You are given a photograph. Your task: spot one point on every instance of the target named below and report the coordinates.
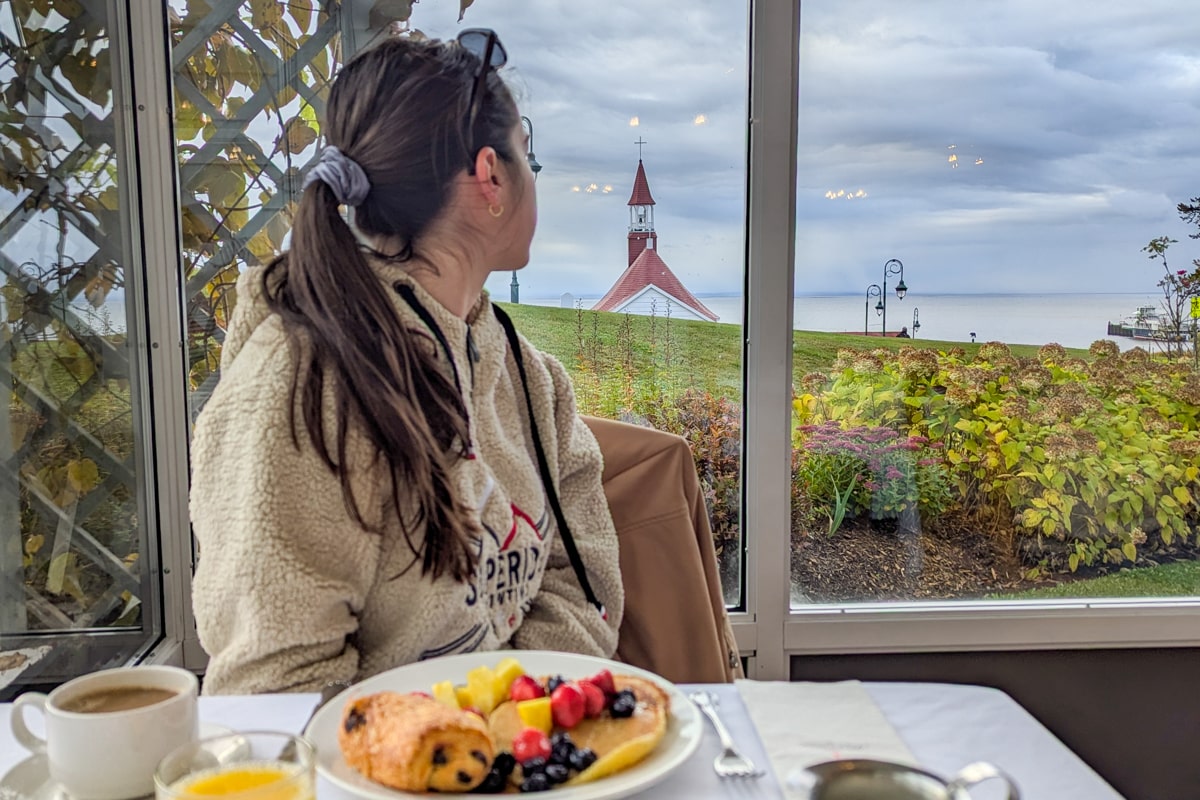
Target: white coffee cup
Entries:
(111, 754)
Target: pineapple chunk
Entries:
(481, 683)
(444, 693)
(536, 713)
(507, 671)
(463, 693)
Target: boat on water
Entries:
(1147, 323)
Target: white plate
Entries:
(30, 779)
(684, 729)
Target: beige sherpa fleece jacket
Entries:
(290, 593)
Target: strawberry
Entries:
(604, 682)
(525, 688)
(594, 699)
(530, 744)
(567, 704)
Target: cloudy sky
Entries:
(997, 145)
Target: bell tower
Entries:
(641, 212)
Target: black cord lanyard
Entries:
(568, 540)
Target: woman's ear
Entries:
(487, 177)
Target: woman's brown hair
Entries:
(399, 111)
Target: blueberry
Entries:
(582, 758)
(557, 773)
(538, 782)
(561, 736)
(533, 766)
(560, 753)
(623, 705)
(494, 783)
(504, 764)
(554, 683)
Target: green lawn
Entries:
(1179, 579)
(706, 355)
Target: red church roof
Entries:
(641, 189)
(648, 269)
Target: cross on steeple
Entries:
(640, 141)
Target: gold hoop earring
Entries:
(495, 210)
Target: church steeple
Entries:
(641, 212)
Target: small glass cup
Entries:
(253, 765)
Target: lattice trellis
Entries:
(251, 77)
(69, 527)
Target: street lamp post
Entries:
(892, 266)
(916, 323)
(514, 288)
(872, 291)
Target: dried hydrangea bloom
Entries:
(991, 351)
(1053, 352)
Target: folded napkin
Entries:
(801, 724)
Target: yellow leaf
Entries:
(1182, 495)
(302, 13)
(34, 544)
(1001, 436)
(56, 575)
(83, 475)
(1130, 551)
(1191, 473)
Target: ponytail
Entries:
(346, 338)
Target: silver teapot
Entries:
(864, 779)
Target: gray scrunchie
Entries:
(342, 174)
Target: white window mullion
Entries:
(163, 308)
(771, 224)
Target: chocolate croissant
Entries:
(414, 743)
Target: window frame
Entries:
(769, 631)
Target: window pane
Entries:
(671, 354)
(73, 487)
(638, 114)
(1010, 166)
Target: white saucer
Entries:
(30, 779)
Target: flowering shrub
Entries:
(1094, 462)
(857, 469)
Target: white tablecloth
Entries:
(945, 727)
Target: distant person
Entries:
(903, 334)
(972, 336)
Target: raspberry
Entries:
(530, 744)
(604, 682)
(594, 698)
(567, 705)
(525, 688)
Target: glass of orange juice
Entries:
(254, 765)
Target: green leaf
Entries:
(1130, 551)
(1073, 562)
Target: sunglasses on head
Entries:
(485, 45)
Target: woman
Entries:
(377, 477)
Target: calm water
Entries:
(1072, 320)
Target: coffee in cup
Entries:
(107, 731)
(117, 698)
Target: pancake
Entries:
(617, 743)
(414, 743)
